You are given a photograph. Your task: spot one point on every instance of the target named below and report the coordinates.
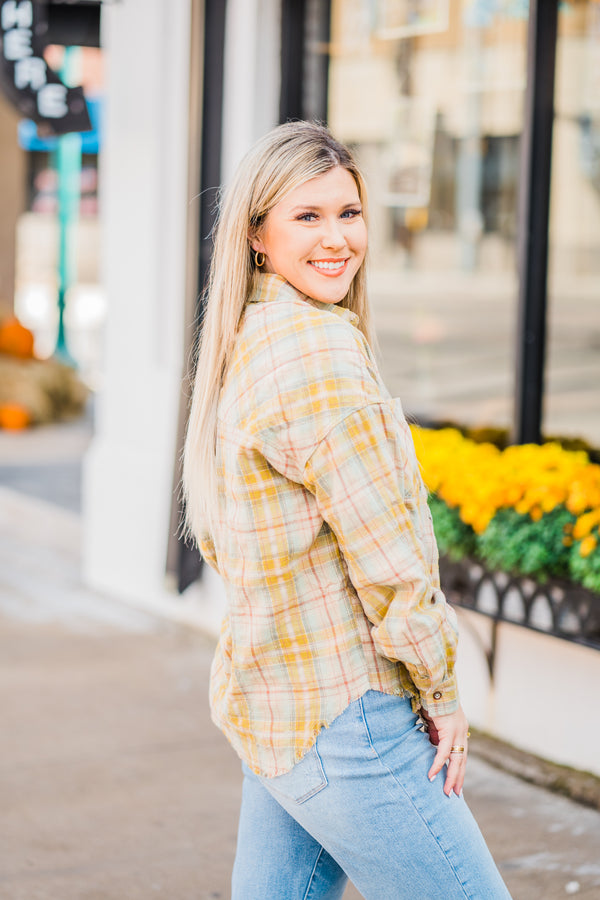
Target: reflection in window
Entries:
(573, 394)
(431, 97)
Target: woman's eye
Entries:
(312, 216)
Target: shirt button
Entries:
(437, 695)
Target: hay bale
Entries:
(49, 390)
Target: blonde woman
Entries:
(304, 493)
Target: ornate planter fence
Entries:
(558, 608)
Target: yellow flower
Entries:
(588, 544)
(479, 479)
(585, 523)
(577, 502)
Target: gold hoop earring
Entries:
(259, 262)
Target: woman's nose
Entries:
(333, 237)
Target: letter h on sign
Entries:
(17, 22)
(17, 15)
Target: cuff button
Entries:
(437, 695)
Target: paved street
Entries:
(114, 783)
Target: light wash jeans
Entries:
(360, 805)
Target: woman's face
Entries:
(316, 237)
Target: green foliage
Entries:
(515, 543)
(455, 539)
(585, 569)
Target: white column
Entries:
(129, 469)
(251, 77)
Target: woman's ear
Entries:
(255, 242)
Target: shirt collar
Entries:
(275, 287)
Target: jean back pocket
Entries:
(302, 782)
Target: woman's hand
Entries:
(446, 732)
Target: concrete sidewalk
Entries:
(115, 785)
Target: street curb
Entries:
(583, 787)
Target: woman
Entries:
(304, 493)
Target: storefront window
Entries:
(573, 383)
(431, 96)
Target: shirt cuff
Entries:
(443, 700)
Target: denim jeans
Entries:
(359, 805)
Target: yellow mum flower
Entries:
(585, 523)
(577, 502)
(588, 544)
(479, 479)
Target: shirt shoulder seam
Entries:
(381, 402)
(257, 440)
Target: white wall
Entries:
(543, 697)
(129, 469)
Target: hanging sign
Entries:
(481, 13)
(29, 83)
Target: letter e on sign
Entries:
(17, 44)
(52, 101)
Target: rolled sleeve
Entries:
(362, 476)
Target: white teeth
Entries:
(328, 265)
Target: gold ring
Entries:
(468, 734)
(457, 749)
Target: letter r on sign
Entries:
(30, 72)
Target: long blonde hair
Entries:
(285, 158)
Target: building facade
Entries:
(435, 105)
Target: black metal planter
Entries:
(556, 607)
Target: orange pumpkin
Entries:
(15, 339)
(14, 417)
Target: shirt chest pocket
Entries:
(407, 458)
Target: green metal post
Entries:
(68, 165)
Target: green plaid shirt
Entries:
(325, 541)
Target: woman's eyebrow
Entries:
(317, 206)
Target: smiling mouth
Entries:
(329, 266)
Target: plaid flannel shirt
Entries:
(324, 540)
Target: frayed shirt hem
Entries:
(297, 753)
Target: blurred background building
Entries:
(433, 97)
